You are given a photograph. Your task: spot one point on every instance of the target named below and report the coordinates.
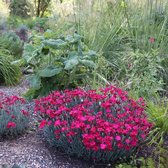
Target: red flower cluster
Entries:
(11, 125)
(6, 108)
(103, 121)
(151, 39)
(6, 101)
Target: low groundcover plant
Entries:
(14, 116)
(105, 126)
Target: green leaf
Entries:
(70, 39)
(91, 53)
(27, 52)
(55, 44)
(71, 63)
(50, 71)
(77, 37)
(88, 63)
(31, 52)
(19, 62)
(72, 54)
(48, 33)
(35, 81)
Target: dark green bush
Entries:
(12, 43)
(40, 22)
(22, 32)
(20, 8)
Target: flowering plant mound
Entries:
(14, 117)
(106, 126)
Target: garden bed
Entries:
(93, 44)
(30, 149)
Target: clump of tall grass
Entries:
(9, 74)
(119, 30)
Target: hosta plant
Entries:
(60, 63)
(14, 117)
(107, 126)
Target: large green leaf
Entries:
(19, 62)
(77, 37)
(48, 34)
(88, 63)
(35, 81)
(91, 53)
(71, 63)
(27, 52)
(55, 44)
(70, 39)
(72, 54)
(30, 52)
(50, 71)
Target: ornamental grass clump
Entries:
(14, 117)
(107, 126)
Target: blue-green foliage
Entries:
(14, 117)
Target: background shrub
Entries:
(14, 117)
(41, 22)
(22, 32)
(105, 127)
(20, 8)
(12, 43)
(14, 21)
